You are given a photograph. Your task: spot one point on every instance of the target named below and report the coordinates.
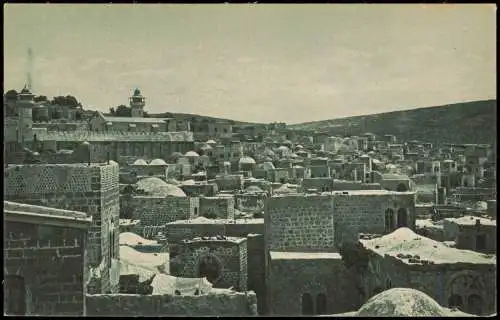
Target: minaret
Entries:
(137, 103)
(25, 104)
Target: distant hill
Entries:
(195, 117)
(467, 122)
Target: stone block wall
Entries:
(225, 304)
(229, 182)
(342, 185)
(157, 211)
(197, 190)
(317, 171)
(466, 237)
(217, 207)
(320, 184)
(257, 269)
(251, 203)
(51, 261)
(230, 256)
(290, 278)
(300, 223)
(92, 189)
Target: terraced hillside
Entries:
(468, 122)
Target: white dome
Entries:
(267, 165)
(211, 142)
(246, 160)
(283, 148)
(157, 162)
(191, 154)
(401, 302)
(132, 239)
(140, 162)
(157, 187)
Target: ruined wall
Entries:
(231, 256)
(289, 279)
(92, 189)
(51, 260)
(300, 223)
(217, 207)
(225, 304)
(155, 212)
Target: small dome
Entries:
(246, 160)
(85, 143)
(211, 142)
(401, 302)
(191, 154)
(140, 162)
(157, 187)
(299, 147)
(267, 165)
(283, 148)
(206, 147)
(157, 162)
(137, 92)
(253, 189)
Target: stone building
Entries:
(93, 189)
(453, 277)
(472, 233)
(222, 260)
(221, 207)
(44, 260)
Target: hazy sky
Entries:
(263, 62)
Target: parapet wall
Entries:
(111, 136)
(221, 304)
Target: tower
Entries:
(25, 104)
(137, 103)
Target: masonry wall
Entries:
(300, 223)
(197, 190)
(176, 232)
(229, 182)
(466, 238)
(92, 189)
(232, 257)
(225, 304)
(217, 207)
(257, 269)
(434, 280)
(52, 262)
(251, 203)
(289, 279)
(157, 211)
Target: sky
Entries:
(259, 63)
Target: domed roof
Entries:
(267, 165)
(176, 154)
(283, 148)
(253, 189)
(140, 162)
(268, 159)
(157, 187)
(246, 160)
(157, 162)
(284, 189)
(299, 146)
(206, 147)
(132, 239)
(211, 142)
(401, 302)
(191, 154)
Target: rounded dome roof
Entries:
(246, 160)
(211, 142)
(401, 302)
(254, 189)
(283, 148)
(140, 162)
(267, 165)
(299, 146)
(157, 162)
(157, 187)
(192, 154)
(176, 154)
(206, 147)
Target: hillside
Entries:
(197, 118)
(468, 122)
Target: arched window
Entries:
(474, 304)
(321, 303)
(401, 188)
(402, 218)
(455, 301)
(389, 220)
(307, 304)
(14, 296)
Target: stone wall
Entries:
(290, 278)
(229, 182)
(221, 207)
(257, 269)
(223, 304)
(197, 190)
(300, 223)
(437, 281)
(181, 230)
(91, 189)
(51, 260)
(157, 211)
(230, 254)
(251, 202)
(320, 184)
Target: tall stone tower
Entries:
(137, 103)
(25, 105)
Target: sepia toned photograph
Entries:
(246, 160)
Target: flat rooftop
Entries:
(471, 221)
(221, 239)
(203, 220)
(71, 165)
(277, 255)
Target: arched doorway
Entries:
(401, 188)
(14, 296)
(210, 267)
(307, 304)
(402, 218)
(474, 304)
(455, 301)
(389, 220)
(321, 303)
